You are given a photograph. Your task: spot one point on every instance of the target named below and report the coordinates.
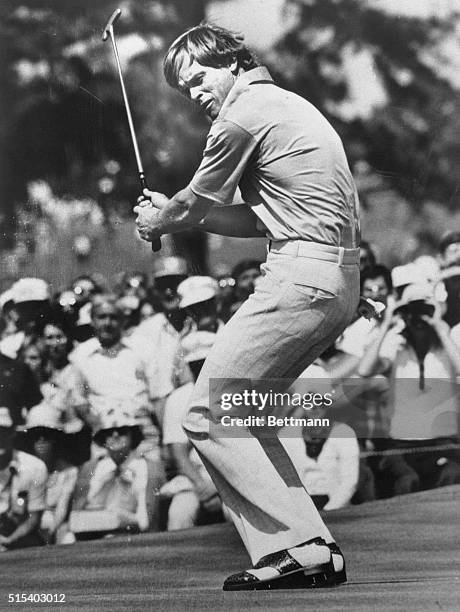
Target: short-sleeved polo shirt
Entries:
(287, 160)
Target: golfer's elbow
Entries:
(190, 209)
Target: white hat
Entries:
(416, 292)
(408, 274)
(196, 345)
(43, 415)
(30, 290)
(197, 289)
(429, 267)
(5, 418)
(115, 417)
(170, 266)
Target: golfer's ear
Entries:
(234, 65)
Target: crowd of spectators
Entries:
(95, 380)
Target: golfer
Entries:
(294, 179)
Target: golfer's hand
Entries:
(147, 210)
(152, 198)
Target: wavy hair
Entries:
(209, 45)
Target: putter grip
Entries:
(156, 244)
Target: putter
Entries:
(108, 31)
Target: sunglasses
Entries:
(121, 431)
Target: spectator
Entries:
(61, 389)
(245, 274)
(327, 460)
(414, 344)
(163, 330)
(31, 354)
(111, 373)
(47, 441)
(198, 297)
(122, 485)
(22, 491)
(375, 284)
(366, 255)
(192, 491)
(168, 274)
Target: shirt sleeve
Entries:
(226, 155)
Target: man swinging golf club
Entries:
(297, 188)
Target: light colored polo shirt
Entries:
(287, 160)
(111, 377)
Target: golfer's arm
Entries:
(237, 220)
(187, 210)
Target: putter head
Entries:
(109, 25)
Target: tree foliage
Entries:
(409, 138)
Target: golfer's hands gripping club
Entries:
(149, 204)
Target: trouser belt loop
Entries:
(341, 254)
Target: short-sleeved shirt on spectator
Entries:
(287, 160)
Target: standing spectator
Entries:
(121, 485)
(415, 346)
(22, 491)
(112, 374)
(48, 442)
(198, 298)
(163, 330)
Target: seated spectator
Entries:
(414, 345)
(118, 491)
(47, 441)
(22, 491)
(198, 298)
(326, 456)
(192, 492)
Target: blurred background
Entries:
(385, 72)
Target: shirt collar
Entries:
(255, 75)
(115, 349)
